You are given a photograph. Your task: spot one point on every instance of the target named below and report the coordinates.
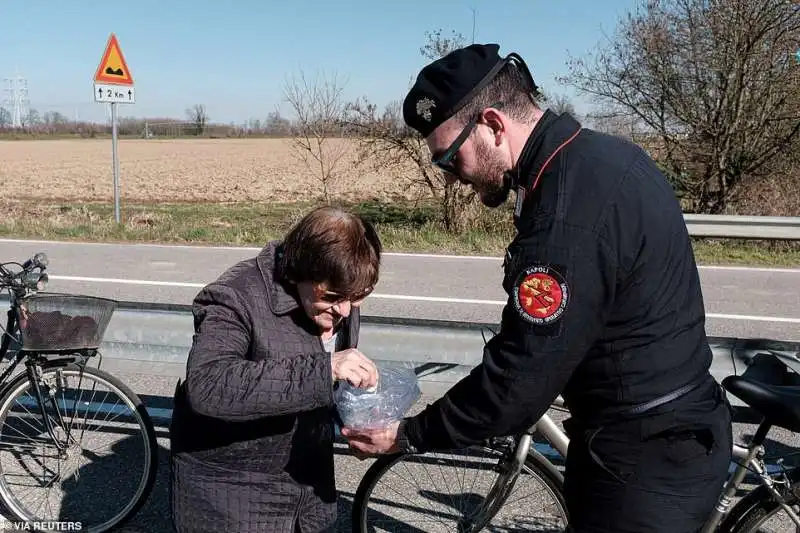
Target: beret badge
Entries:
(424, 107)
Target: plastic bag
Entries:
(396, 392)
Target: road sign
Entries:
(113, 84)
(114, 94)
(112, 68)
(112, 75)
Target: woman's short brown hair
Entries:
(333, 246)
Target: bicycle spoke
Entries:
(94, 422)
(432, 492)
(419, 490)
(778, 523)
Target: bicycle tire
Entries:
(759, 505)
(17, 386)
(535, 463)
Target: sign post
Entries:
(113, 84)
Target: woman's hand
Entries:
(354, 367)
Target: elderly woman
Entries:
(252, 429)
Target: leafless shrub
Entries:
(318, 134)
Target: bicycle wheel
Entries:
(759, 511)
(448, 493)
(100, 486)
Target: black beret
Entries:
(444, 86)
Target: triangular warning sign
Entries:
(113, 68)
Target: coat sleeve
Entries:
(221, 382)
(560, 286)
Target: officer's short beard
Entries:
(494, 188)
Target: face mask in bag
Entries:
(395, 392)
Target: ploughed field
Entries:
(191, 170)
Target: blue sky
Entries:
(234, 56)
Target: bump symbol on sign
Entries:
(113, 68)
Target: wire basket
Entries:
(50, 322)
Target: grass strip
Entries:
(403, 228)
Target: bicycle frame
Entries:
(746, 459)
(560, 441)
(11, 324)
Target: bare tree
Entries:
(198, 116)
(715, 81)
(386, 143)
(277, 125)
(31, 119)
(54, 118)
(437, 46)
(560, 103)
(318, 132)
(611, 120)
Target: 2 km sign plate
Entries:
(114, 94)
(113, 81)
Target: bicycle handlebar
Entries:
(29, 277)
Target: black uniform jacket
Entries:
(604, 301)
(252, 428)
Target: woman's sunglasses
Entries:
(335, 298)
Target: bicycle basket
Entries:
(51, 322)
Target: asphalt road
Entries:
(740, 301)
(157, 391)
(743, 302)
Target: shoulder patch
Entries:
(541, 294)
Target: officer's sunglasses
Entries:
(447, 161)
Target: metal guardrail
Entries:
(743, 227)
(162, 333)
(156, 337)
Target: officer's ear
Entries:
(495, 119)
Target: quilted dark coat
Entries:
(252, 428)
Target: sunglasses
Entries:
(334, 298)
(447, 161)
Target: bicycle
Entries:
(42, 419)
(519, 459)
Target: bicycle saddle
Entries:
(779, 404)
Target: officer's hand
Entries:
(367, 442)
(354, 367)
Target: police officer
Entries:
(604, 305)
